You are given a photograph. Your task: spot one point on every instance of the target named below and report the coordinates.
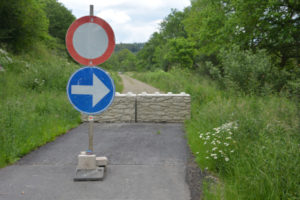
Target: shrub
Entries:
(246, 71)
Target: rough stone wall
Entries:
(146, 108)
(121, 110)
(163, 107)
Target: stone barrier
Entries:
(147, 108)
(163, 107)
(121, 110)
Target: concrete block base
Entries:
(89, 174)
(86, 161)
(101, 161)
(90, 167)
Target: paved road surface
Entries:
(136, 86)
(146, 162)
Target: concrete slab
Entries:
(96, 174)
(146, 162)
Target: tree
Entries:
(181, 52)
(146, 56)
(23, 22)
(59, 17)
(172, 26)
(271, 25)
(206, 26)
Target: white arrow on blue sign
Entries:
(91, 90)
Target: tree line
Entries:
(25, 22)
(251, 45)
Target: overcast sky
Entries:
(131, 20)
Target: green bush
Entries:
(246, 71)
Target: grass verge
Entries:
(251, 143)
(34, 108)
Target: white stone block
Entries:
(86, 161)
(101, 161)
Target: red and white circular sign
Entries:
(90, 40)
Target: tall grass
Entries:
(34, 107)
(117, 80)
(251, 143)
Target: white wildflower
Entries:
(228, 138)
(200, 136)
(3, 52)
(205, 142)
(215, 157)
(226, 159)
(207, 157)
(226, 144)
(9, 59)
(215, 148)
(231, 151)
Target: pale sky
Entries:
(131, 20)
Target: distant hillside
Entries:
(133, 47)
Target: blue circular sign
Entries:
(91, 90)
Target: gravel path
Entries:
(135, 86)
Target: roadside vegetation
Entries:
(34, 71)
(240, 62)
(34, 106)
(249, 142)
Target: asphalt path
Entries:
(146, 162)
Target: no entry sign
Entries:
(90, 40)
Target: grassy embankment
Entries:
(251, 143)
(34, 108)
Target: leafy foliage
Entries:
(27, 22)
(246, 71)
(23, 22)
(180, 52)
(123, 60)
(59, 17)
(134, 48)
(250, 45)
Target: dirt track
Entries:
(135, 86)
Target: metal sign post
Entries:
(90, 41)
(91, 118)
